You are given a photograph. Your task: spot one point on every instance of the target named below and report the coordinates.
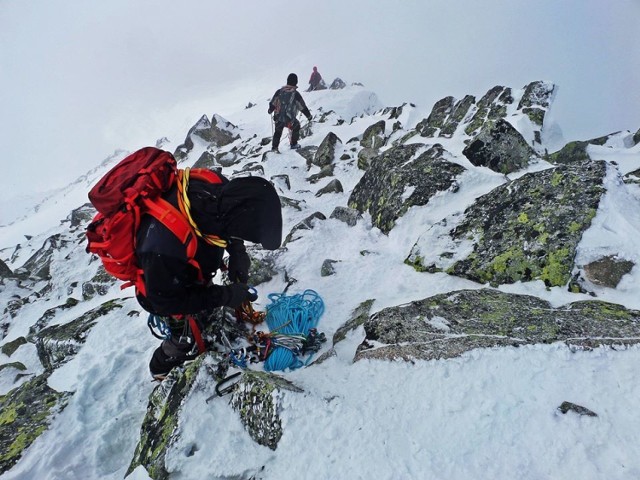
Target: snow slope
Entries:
(488, 414)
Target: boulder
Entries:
(350, 216)
(218, 132)
(59, 343)
(527, 229)
(400, 178)
(334, 186)
(326, 152)
(337, 84)
(306, 224)
(608, 271)
(499, 147)
(450, 324)
(25, 413)
(489, 109)
(373, 136)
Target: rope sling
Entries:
(291, 319)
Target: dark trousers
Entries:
(294, 126)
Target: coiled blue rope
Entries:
(289, 318)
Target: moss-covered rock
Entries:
(447, 325)
(160, 423)
(400, 178)
(100, 284)
(490, 108)
(25, 413)
(39, 264)
(458, 113)
(572, 152)
(256, 399)
(9, 348)
(326, 153)
(59, 343)
(499, 147)
(527, 229)
(373, 136)
(436, 119)
(358, 317)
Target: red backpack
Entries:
(133, 188)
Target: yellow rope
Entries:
(185, 207)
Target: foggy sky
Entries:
(80, 78)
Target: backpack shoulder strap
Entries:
(171, 218)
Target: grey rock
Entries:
(358, 317)
(527, 229)
(499, 147)
(327, 268)
(81, 215)
(326, 171)
(326, 152)
(217, 132)
(447, 325)
(27, 412)
(161, 420)
(489, 109)
(536, 100)
(282, 181)
(393, 184)
(39, 264)
(373, 137)
(9, 348)
(100, 284)
(334, 186)
(59, 343)
(350, 216)
(435, 121)
(365, 157)
(306, 224)
(5, 271)
(572, 407)
(206, 160)
(337, 84)
(576, 151)
(256, 401)
(608, 271)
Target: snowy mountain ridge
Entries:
(435, 399)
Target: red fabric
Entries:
(131, 188)
(147, 172)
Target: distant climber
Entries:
(285, 106)
(315, 81)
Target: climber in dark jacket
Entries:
(246, 208)
(285, 106)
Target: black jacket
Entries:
(244, 208)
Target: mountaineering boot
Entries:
(275, 150)
(295, 146)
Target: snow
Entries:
(490, 413)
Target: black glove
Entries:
(238, 293)
(239, 262)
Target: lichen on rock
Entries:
(527, 229)
(25, 413)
